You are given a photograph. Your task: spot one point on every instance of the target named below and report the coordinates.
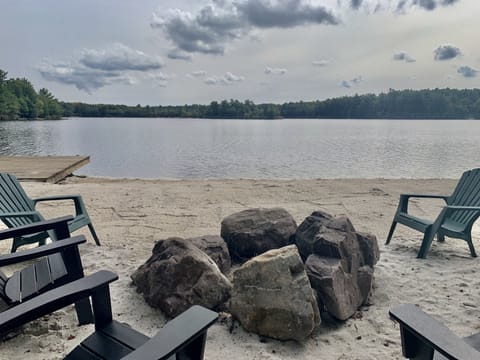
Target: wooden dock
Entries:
(42, 168)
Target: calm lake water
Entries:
(194, 148)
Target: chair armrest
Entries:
(36, 227)
(421, 333)
(465, 208)
(44, 250)
(32, 214)
(432, 196)
(403, 203)
(77, 200)
(54, 300)
(176, 334)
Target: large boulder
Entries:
(339, 261)
(215, 247)
(272, 296)
(179, 275)
(252, 232)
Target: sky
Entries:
(193, 52)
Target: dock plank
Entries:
(42, 168)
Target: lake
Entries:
(287, 148)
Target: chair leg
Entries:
(94, 234)
(194, 350)
(470, 246)
(390, 233)
(426, 242)
(440, 238)
(84, 312)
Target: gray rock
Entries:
(337, 289)
(272, 296)
(365, 282)
(252, 232)
(179, 275)
(215, 247)
(368, 248)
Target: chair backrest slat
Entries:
(467, 193)
(14, 199)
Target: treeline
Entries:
(395, 104)
(18, 100)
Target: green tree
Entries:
(47, 106)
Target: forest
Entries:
(19, 100)
(394, 104)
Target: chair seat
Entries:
(114, 341)
(413, 221)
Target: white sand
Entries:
(130, 215)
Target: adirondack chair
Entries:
(17, 209)
(182, 338)
(455, 220)
(424, 338)
(54, 264)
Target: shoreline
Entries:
(131, 214)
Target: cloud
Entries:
(217, 24)
(284, 14)
(119, 57)
(275, 71)
(403, 56)
(351, 83)
(82, 78)
(227, 79)
(399, 6)
(320, 63)
(355, 4)
(197, 74)
(433, 4)
(446, 52)
(117, 63)
(467, 71)
(177, 54)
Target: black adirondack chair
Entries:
(424, 338)
(455, 220)
(54, 264)
(182, 338)
(17, 209)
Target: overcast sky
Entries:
(183, 52)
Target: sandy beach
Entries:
(130, 215)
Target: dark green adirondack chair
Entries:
(17, 209)
(183, 338)
(455, 220)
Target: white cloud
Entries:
(227, 79)
(320, 63)
(119, 57)
(215, 25)
(116, 64)
(197, 74)
(275, 71)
